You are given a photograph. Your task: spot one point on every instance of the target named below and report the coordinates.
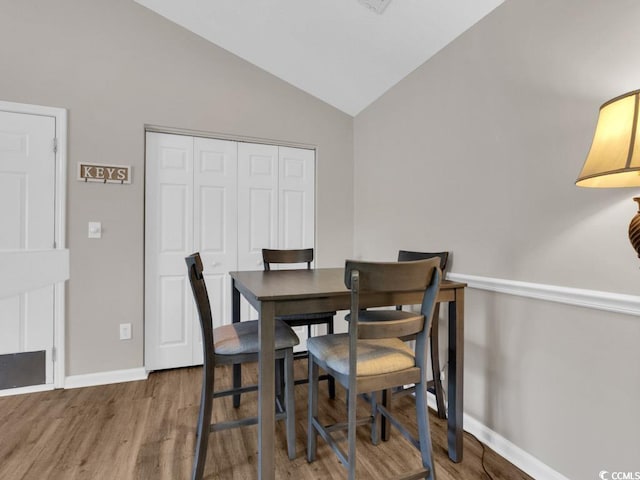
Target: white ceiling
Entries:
(337, 50)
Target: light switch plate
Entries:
(95, 230)
(125, 331)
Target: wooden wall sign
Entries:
(98, 172)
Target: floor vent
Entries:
(22, 369)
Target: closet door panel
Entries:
(296, 197)
(296, 206)
(215, 225)
(169, 309)
(257, 203)
(257, 207)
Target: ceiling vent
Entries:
(377, 6)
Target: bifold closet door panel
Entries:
(296, 207)
(169, 309)
(257, 208)
(257, 202)
(296, 197)
(215, 214)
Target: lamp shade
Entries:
(614, 157)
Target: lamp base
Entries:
(634, 229)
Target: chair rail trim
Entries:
(596, 299)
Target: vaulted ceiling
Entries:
(337, 50)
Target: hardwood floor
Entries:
(146, 430)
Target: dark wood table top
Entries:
(277, 285)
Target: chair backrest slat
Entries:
(391, 328)
(301, 255)
(199, 288)
(391, 276)
(408, 255)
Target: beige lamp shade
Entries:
(614, 157)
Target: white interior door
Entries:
(27, 216)
(169, 308)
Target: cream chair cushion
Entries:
(242, 337)
(375, 357)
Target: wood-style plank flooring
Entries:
(146, 430)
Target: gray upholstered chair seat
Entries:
(375, 357)
(383, 315)
(242, 337)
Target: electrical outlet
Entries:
(125, 331)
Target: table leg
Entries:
(266, 393)
(235, 318)
(456, 375)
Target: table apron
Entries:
(343, 302)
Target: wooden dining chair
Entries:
(234, 344)
(434, 385)
(372, 358)
(300, 256)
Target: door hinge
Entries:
(54, 354)
(55, 145)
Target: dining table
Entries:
(282, 292)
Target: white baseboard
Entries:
(503, 447)
(32, 389)
(105, 378)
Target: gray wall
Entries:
(117, 66)
(477, 152)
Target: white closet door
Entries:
(228, 200)
(296, 197)
(215, 222)
(169, 307)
